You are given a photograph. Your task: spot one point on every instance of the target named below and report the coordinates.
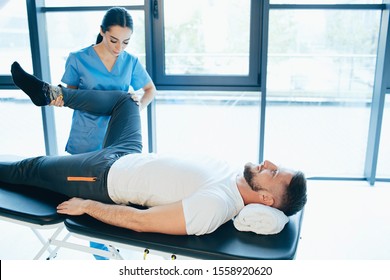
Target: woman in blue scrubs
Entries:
(104, 66)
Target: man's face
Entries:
(268, 177)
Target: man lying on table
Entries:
(183, 196)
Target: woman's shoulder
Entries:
(82, 52)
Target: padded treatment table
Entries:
(225, 243)
(29, 204)
(34, 208)
(37, 208)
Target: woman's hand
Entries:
(135, 98)
(58, 102)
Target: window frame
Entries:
(250, 82)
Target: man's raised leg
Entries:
(41, 94)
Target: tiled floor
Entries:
(343, 221)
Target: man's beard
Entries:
(248, 176)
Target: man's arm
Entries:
(167, 219)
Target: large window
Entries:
(207, 43)
(321, 66)
(325, 2)
(21, 125)
(384, 148)
(209, 123)
(206, 54)
(14, 37)
(206, 37)
(20, 120)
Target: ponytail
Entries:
(99, 38)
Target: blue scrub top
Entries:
(85, 70)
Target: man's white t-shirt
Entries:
(206, 187)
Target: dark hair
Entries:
(115, 16)
(295, 197)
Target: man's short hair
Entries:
(295, 196)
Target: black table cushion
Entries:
(225, 243)
(30, 204)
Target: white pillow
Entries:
(260, 219)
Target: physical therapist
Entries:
(104, 66)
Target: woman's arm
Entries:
(149, 93)
(168, 219)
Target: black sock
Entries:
(40, 93)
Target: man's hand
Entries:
(73, 206)
(167, 219)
